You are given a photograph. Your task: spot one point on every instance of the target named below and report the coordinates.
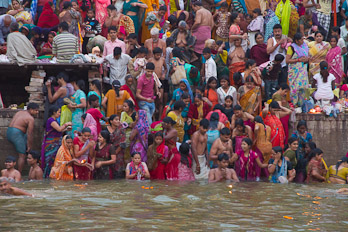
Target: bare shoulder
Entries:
(4, 172)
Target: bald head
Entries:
(7, 20)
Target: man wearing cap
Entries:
(21, 128)
(145, 91)
(155, 42)
(10, 172)
(118, 62)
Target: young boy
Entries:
(271, 74)
(222, 172)
(161, 71)
(209, 66)
(35, 172)
(92, 28)
(10, 172)
(7, 189)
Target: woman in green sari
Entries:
(134, 9)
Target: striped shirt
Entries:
(65, 46)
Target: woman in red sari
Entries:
(84, 153)
(131, 89)
(197, 112)
(259, 51)
(272, 114)
(171, 136)
(48, 18)
(157, 157)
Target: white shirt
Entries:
(324, 90)
(210, 69)
(276, 51)
(222, 95)
(118, 68)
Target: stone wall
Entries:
(6, 148)
(330, 134)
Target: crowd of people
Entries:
(190, 90)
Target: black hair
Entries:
(336, 29)
(249, 79)
(64, 25)
(233, 17)
(117, 51)
(68, 137)
(150, 66)
(249, 63)
(206, 50)
(111, 7)
(130, 104)
(194, 71)
(135, 153)
(92, 98)
(35, 154)
(14, 26)
(257, 11)
(106, 135)
(169, 120)
(229, 97)
(116, 85)
(172, 20)
(278, 149)
(204, 123)
(344, 159)
(98, 85)
(199, 96)
(274, 105)
(132, 36)
(143, 50)
(301, 123)
(324, 72)
(224, 4)
(66, 5)
(179, 104)
(84, 116)
(223, 156)
(292, 140)
(219, 42)
(311, 145)
(157, 50)
(277, 26)
(334, 37)
(225, 131)
(219, 107)
(237, 77)
(197, 3)
(284, 86)
(260, 120)
(159, 133)
(237, 107)
(86, 130)
(185, 96)
(112, 117)
(257, 34)
(225, 78)
(63, 75)
(248, 141)
(53, 109)
(314, 152)
(177, 53)
(163, 7)
(214, 121)
(279, 58)
(298, 36)
(169, 41)
(112, 28)
(210, 80)
(81, 84)
(184, 150)
(240, 122)
(32, 106)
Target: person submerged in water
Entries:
(222, 172)
(10, 172)
(7, 189)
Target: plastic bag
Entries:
(66, 115)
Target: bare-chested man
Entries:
(10, 172)
(155, 42)
(202, 26)
(199, 150)
(222, 172)
(21, 127)
(160, 69)
(7, 189)
(221, 145)
(35, 172)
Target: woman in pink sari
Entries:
(334, 60)
(89, 121)
(185, 165)
(101, 11)
(240, 132)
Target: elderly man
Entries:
(19, 48)
(65, 45)
(5, 22)
(202, 26)
(154, 42)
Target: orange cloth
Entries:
(212, 96)
(236, 67)
(114, 105)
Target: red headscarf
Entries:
(48, 18)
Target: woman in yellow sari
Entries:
(317, 52)
(62, 168)
(288, 16)
(179, 106)
(249, 97)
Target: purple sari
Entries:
(139, 143)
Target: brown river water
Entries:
(173, 206)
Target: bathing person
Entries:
(222, 172)
(7, 189)
(35, 172)
(10, 172)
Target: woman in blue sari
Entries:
(78, 106)
(184, 87)
(279, 168)
(132, 8)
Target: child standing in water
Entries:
(136, 169)
(185, 165)
(222, 172)
(35, 172)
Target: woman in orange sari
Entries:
(272, 114)
(62, 168)
(249, 97)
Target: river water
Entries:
(172, 206)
